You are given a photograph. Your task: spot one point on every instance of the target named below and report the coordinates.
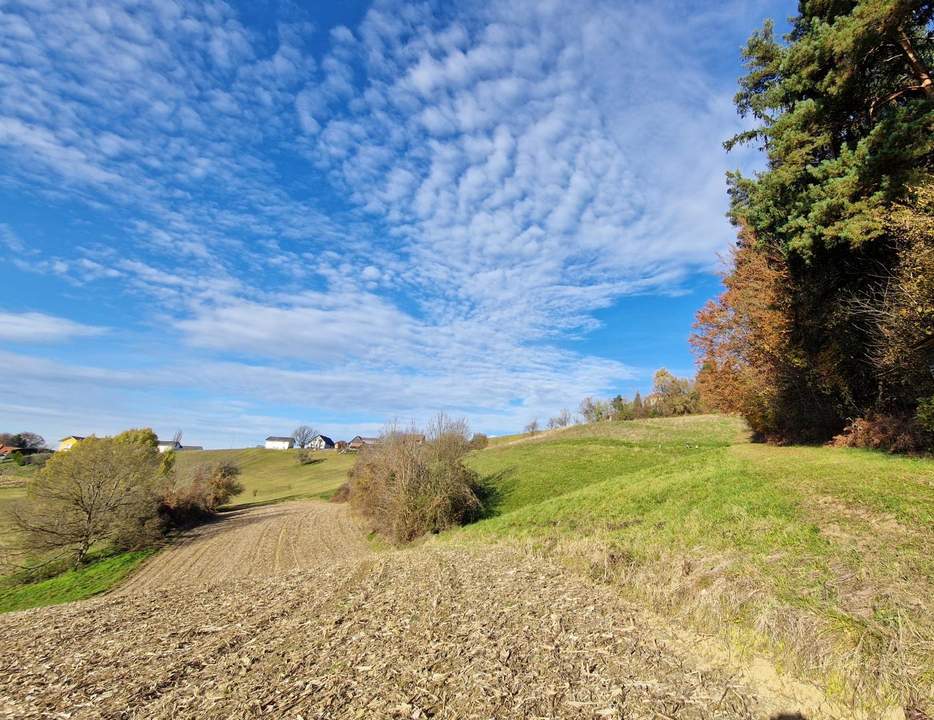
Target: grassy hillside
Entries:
(102, 573)
(272, 475)
(819, 555)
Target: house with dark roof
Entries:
(166, 445)
(321, 442)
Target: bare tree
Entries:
(303, 435)
(532, 428)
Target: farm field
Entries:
(275, 475)
(252, 543)
(703, 575)
(417, 633)
(818, 555)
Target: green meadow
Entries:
(818, 555)
(275, 475)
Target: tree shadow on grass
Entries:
(492, 490)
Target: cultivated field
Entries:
(258, 542)
(426, 632)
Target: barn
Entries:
(275, 442)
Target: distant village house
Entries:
(321, 442)
(361, 442)
(67, 443)
(279, 443)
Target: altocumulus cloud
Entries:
(465, 186)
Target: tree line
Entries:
(670, 396)
(826, 325)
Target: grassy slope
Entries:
(97, 577)
(274, 475)
(819, 554)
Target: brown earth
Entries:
(258, 542)
(281, 612)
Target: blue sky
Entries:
(231, 218)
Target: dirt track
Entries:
(427, 632)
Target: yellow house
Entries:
(67, 443)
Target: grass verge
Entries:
(100, 575)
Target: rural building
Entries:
(67, 443)
(274, 442)
(340, 444)
(6, 450)
(166, 445)
(360, 442)
(321, 442)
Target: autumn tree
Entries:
(844, 111)
(102, 490)
(673, 395)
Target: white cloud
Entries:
(34, 327)
(474, 185)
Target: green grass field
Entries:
(821, 556)
(275, 475)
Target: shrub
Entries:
(342, 494)
(101, 490)
(39, 459)
(306, 457)
(925, 414)
(479, 441)
(211, 485)
(884, 432)
(407, 488)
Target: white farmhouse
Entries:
(321, 442)
(279, 443)
(166, 445)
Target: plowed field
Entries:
(281, 612)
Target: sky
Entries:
(231, 218)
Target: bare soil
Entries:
(282, 612)
(254, 543)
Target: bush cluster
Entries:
(211, 485)
(117, 492)
(407, 487)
